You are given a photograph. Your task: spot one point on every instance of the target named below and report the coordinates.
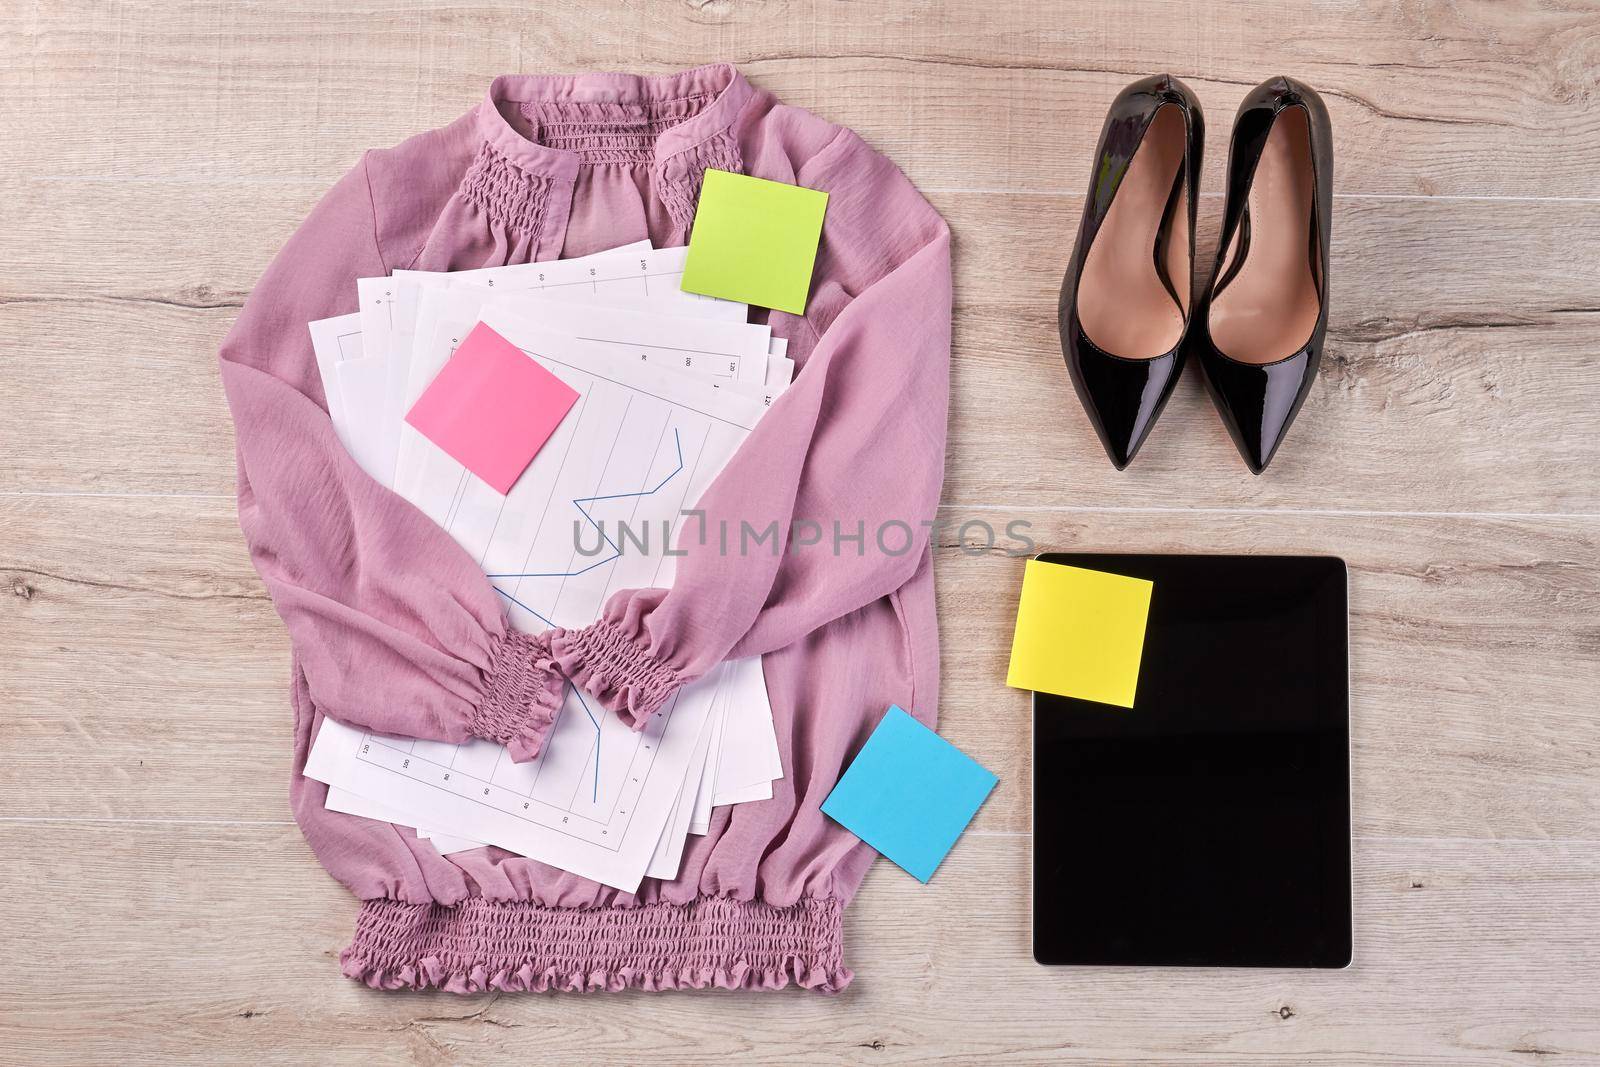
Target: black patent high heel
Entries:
(1261, 323)
(1125, 299)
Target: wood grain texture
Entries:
(123, 651)
(1447, 345)
(163, 908)
(233, 932)
(1479, 98)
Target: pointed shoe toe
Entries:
(1258, 402)
(1123, 397)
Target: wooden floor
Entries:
(158, 903)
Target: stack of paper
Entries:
(667, 385)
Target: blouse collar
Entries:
(728, 88)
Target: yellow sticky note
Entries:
(1080, 633)
(754, 241)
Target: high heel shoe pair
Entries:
(1128, 314)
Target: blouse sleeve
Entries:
(394, 626)
(846, 466)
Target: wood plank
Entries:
(1396, 263)
(1437, 360)
(1482, 98)
(1447, 345)
(1473, 649)
(1465, 417)
(149, 673)
(171, 944)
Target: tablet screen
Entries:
(1208, 825)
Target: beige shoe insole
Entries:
(1123, 305)
(1267, 312)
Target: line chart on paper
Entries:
(632, 456)
(610, 542)
(642, 478)
(578, 504)
(553, 791)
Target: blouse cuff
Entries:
(608, 661)
(522, 694)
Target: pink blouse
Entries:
(395, 628)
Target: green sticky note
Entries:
(754, 241)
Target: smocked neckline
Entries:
(726, 88)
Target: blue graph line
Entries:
(579, 502)
(596, 724)
(524, 607)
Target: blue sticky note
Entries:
(909, 793)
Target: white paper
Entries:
(332, 342)
(668, 855)
(362, 383)
(729, 767)
(541, 809)
(447, 844)
(641, 444)
(736, 350)
(388, 317)
(354, 804)
(610, 278)
(717, 349)
(748, 758)
(700, 818)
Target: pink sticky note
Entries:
(492, 408)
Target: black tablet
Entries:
(1208, 825)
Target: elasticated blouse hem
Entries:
(516, 946)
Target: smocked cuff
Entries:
(521, 696)
(606, 660)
